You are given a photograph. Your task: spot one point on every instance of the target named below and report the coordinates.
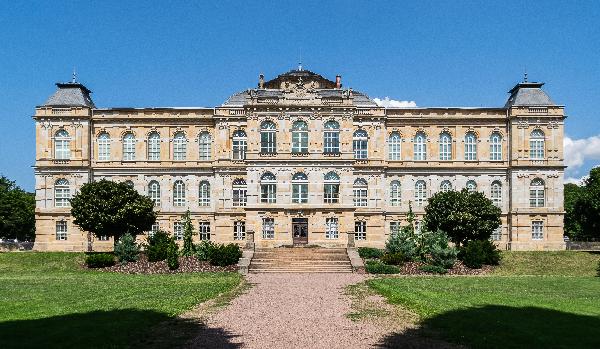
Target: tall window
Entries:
(536, 193)
(129, 147)
(496, 234)
(239, 230)
(420, 193)
(537, 230)
(445, 186)
(179, 193)
(62, 193)
(204, 230)
(154, 229)
(154, 192)
(471, 185)
(395, 193)
(179, 146)
(496, 193)
(470, 146)
(445, 146)
(239, 192)
(103, 147)
(395, 146)
(204, 146)
(360, 191)
(204, 194)
(331, 138)
(360, 144)
(62, 148)
(268, 231)
(61, 230)
(178, 230)
(495, 147)
(268, 139)
(360, 230)
(299, 137)
(420, 147)
(331, 188)
(154, 146)
(268, 188)
(536, 145)
(239, 145)
(394, 227)
(331, 228)
(299, 188)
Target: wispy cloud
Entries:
(392, 103)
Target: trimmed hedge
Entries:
(99, 260)
(369, 252)
(224, 255)
(376, 267)
(433, 269)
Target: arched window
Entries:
(537, 193)
(268, 138)
(331, 137)
(239, 145)
(299, 188)
(62, 148)
(103, 147)
(204, 194)
(179, 193)
(445, 186)
(154, 146)
(420, 193)
(496, 147)
(361, 192)
(496, 193)
(470, 146)
(360, 144)
(395, 146)
(62, 193)
(128, 147)
(268, 188)
(239, 192)
(179, 146)
(299, 137)
(471, 186)
(331, 188)
(445, 146)
(536, 145)
(154, 192)
(420, 147)
(395, 193)
(204, 146)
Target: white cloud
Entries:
(578, 151)
(578, 181)
(392, 103)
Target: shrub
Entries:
(476, 253)
(204, 249)
(224, 255)
(393, 258)
(443, 257)
(99, 260)
(156, 249)
(598, 270)
(172, 255)
(126, 249)
(369, 252)
(188, 231)
(433, 269)
(376, 267)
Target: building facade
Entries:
(302, 160)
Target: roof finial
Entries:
(300, 66)
(74, 79)
(525, 78)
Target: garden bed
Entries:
(186, 265)
(413, 268)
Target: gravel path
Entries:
(290, 311)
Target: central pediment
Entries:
(297, 77)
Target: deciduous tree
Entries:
(17, 212)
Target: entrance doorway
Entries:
(300, 231)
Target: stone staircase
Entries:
(300, 260)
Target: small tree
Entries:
(17, 212)
(126, 249)
(188, 231)
(463, 215)
(107, 208)
(587, 207)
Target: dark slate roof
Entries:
(70, 95)
(241, 98)
(294, 74)
(528, 93)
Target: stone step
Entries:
(300, 260)
(290, 270)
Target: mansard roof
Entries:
(528, 93)
(293, 76)
(70, 94)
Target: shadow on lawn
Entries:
(494, 326)
(127, 328)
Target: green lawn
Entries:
(47, 300)
(534, 300)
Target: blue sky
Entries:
(460, 53)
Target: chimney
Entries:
(338, 81)
(261, 81)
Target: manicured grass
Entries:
(557, 307)
(47, 300)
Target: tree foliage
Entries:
(112, 209)
(586, 209)
(572, 193)
(463, 215)
(188, 231)
(17, 212)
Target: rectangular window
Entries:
(268, 231)
(496, 151)
(154, 229)
(103, 149)
(470, 151)
(61, 230)
(537, 230)
(394, 227)
(268, 193)
(445, 151)
(300, 142)
(360, 230)
(239, 230)
(239, 197)
(497, 234)
(179, 149)
(128, 149)
(332, 142)
(536, 149)
(267, 142)
(154, 149)
(360, 197)
(62, 150)
(331, 226)
(360, 148)
(103, 238)
(204, 230)
(536, 197)
(239, 149)
(331, 194)
(300, 193)
(178, 230)
(62, 196)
